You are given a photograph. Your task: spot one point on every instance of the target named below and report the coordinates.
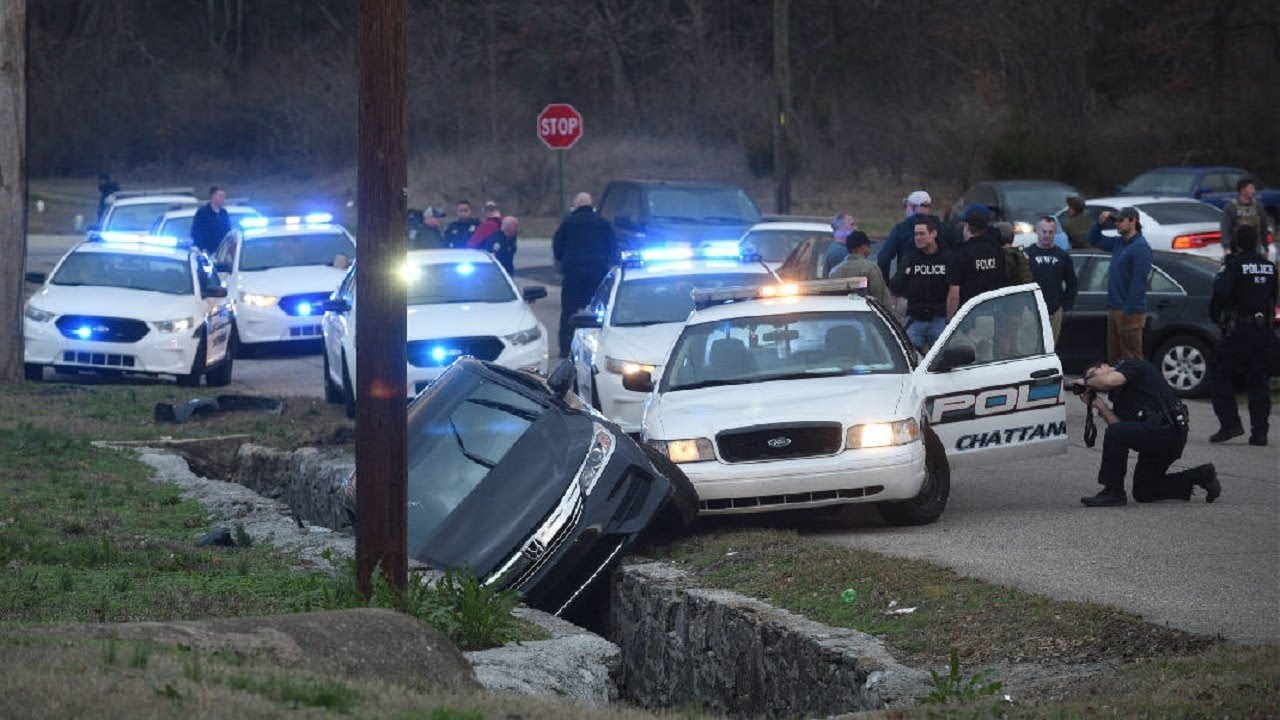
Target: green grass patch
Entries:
(305, 692)
(985, 623)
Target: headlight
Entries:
(35, 314)
(602, 444)
(1023, 228)
(524, 337)
(173, 326)
(626, 367)
(873, 435)
(259, 300)
(685, 451)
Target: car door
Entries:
(586, 340)
(339, 327)
(1084, 327)
(1001, 400)
(219, 314)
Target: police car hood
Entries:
(426, 322)
(115, 302)
(849, 399)
(283, 281)
(645, 344)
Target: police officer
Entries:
(211, 222)
(978, 265)
(583, 247)
(1244, 300)
(922, 280)
(459, 231)
(1147, 417)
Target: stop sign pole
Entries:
(559, 128)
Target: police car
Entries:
(177, 223)
(125, 303)
(280, 272)
(461, 303)
(788, 396)
(637, 312)
(135, 211)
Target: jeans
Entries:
(924, 333)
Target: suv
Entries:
(659, 212)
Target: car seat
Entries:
(728, 359)
(843, 341)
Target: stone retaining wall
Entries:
(728, 653)
(308, 480)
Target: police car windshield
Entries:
(669, 299)
(464, 282)
(140, 217)
(700, 204)
(264, 253)
(775, 245)
(782, 347)
(134, 272)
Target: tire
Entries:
(221, 375)
(32, 372)
(192, 379)
(926, 507)
(348, 391)
(243, 351)
(681, 508)
(332, 393)
(1183, 362)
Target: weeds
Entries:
(241, 537)
(317, 692)
(954, 688)
(110, 652)
(140, 656)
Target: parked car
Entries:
(806, 260)
(773, 241)
(646, 213)
(512, 476)
(1212, 184)
(1020, 202)
(177, 223)
(135, 211)
(1168, 223)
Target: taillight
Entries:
(1198, 240)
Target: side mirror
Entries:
(641, 382)
(335, 305)
(534, 292)
(35, 277)
(215, 291)
(222, 267)
(955, 356)
(561, 378)
(586, 320)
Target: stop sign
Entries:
(559, 126)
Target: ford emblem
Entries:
(779, 442)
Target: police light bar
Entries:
(706, 297)
(113, 237)
(717, 250)
(289, 221)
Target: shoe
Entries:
(1207, 478)
(1106, 498)
(1226, 434)
(1258, 439)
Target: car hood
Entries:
(115, 302)
(290, 280)
(847, 399)
(426, 322)
(664, 231)
(645, 344)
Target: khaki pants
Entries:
(1124, 335)
(1055, 324)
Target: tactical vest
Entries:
(1246, 215)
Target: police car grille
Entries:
(804, 498)
(303, 304)
(101, 329)
(443, 351)
(100, 359)
(779, 442)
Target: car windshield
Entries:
(139, 217)
(455, 441)
(461, 282)
(669, 299)
(782, 347)
(1178, 213)
(180, 227)
(273, 251)
(775, 245)
(702, 204)
(1035, 200)
(135, 272)
(1154, 183)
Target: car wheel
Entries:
(192, 379)
(221, 375)
(1184, 363)
(348, 391)
(927, 506)
(681, 508)
(32, 372)
(332, 393)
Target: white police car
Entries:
(280, 271)
(135, 211)
(177, 223)
(128, 303)
(638, 311)
(461, 303)
(808, 400)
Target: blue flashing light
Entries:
(84, 332)
(304, 308)
(128, 238)
(658, 254)
(254, 222)
(319, 218)
(465, 268)
(722, 249)
(437, 353)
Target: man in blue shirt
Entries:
(842, 225)
(1126, 281)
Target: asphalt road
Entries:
(1212, 569)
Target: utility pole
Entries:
(13, 184)
(782, 107)
(382, 187)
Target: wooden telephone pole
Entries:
(782, 106)
(382, 187)
(13, 184)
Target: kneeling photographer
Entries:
(1144, 416)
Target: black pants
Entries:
(1246, 351)
(574, 295)
(1157, 447)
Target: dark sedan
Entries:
(1020, 202)
(513, 477)
(806, 260)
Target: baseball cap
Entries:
(1128, 213)
(434, 212)
(919, 197)
(856, 239)
(977, 215)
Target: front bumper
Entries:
(624, 407)
(531, 356)
(851, 476)
(156, 353)
(271, 324)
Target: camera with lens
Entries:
(1108, 223)
(1078, 388)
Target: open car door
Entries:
(992, 382)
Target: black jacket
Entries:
(922, 280)
(976, 267)
(208, 227)
(584, 243)
(1054, 272)
(1245, 286)
(459, 232)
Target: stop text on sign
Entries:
(559, 126)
